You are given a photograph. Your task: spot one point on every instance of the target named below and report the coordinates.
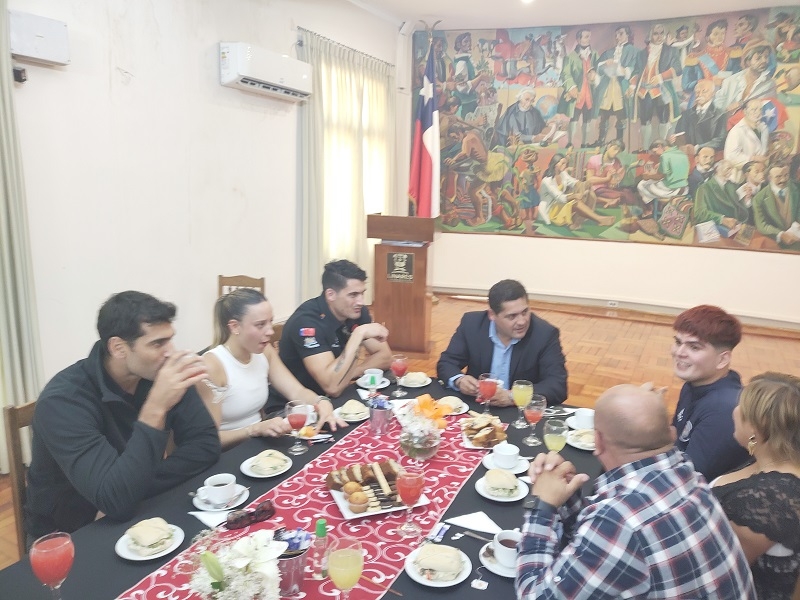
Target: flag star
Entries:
(770, 112)
(427, 89)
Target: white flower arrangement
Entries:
(246, 569)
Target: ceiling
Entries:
(477, 14)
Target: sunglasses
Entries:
(237, 519)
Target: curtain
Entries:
(347, 154)
(20, 354)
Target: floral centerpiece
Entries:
(244, 569)
(422, 426)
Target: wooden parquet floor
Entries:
(603, 348)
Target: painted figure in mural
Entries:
(522, 119)
(783, 27)
(443, 68)
(702, 124)
(776, 208)
(658, 65)
(716, 200)
(755, 173)
(614, 93)
(526, 185)
(712, 63)
(672, 178)
(577, 78)
(605, 172)
(565, 200)
(748, 139)
(683, 41)
(466, 77)
(744, 29)
(753, 81)
(703, 168)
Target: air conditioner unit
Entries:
(260, 71)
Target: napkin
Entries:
(525, 478)
(364, 394)
(478, 521)
(210, 519)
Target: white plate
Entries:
(412, 572)
(348, 514)
(464, 408)
(123, 551)
(402, 406)
(466, 443)
(481, 488)
(572, 423)
(247, 468)
(494, 566)
(352, 418)
(427, 381)
(573, 441)
(242, 493)
(558, 411)
(315, 438)
(381, 384)
(521, 466)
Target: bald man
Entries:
(652, 530)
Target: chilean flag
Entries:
(423, 184)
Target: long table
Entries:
(98, 573)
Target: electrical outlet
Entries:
(612, 304)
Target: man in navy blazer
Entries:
(509, 341)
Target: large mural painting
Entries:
(683, 131)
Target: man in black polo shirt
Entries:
(101, 426)
(322, 340)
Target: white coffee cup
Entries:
(584, 418)
(218, 489)
(504, 546)
(505, 455)
(370, 373)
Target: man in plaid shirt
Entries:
(653, 529)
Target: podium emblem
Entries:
(400, 267)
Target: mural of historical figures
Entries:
(680, 131)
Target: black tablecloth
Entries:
(98, 573)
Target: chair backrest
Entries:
(227, 284)
(17, 417)
(277, 334)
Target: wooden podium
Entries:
(401, 298)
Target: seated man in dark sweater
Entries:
(101, 426)
(705, 337)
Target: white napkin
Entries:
(364, 394)
(478, 521)
(525, 478)
(210, 519)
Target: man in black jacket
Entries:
(509, 341)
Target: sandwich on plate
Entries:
(415, 378)
(353, 409)
(268, 462)
(438, 563)
(150, 536)
(500, 483)
(454, 402)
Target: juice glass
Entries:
(51, 560)
(555, 434)
(521, 392)
(345, 564)
(297, 413)
(533, 414)
(487, 388)
(399, 367)
(409, 488)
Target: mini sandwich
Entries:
(149, 536)
(438, 563)
(353, 409)
(268, 462)
(415, 378)
(454, 402)
(500, 483)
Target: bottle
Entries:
(318, 548)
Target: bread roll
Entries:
(150, 536)
(268, 462)
(500, 483)
(438, 563)
(353, 409)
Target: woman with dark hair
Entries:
(242, 364)
(762, 500)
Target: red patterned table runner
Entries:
(303, 498)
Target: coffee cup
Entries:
(505, 455)
(584, 418)
(373, 377)
(504, 546)
(218, 489)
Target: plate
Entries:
(464, 408)
(522, 491)
(123, 551)
(242, 493)
(572, 423)
(351, 418)
(316, 438)
(426, 381)
(247, 469)
(381, 384)
(572, 440)
(411, 570)
(558, 411)
(521, 466)
(348, 514)
(466, 443)
(490, 562)
(400, 407)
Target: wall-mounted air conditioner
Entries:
(260, 71)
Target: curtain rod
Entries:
(334, 42)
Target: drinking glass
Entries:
(399, 368)
(487, 388)
(533, 413)
(409, 488)
(297, 413)
(51, 559)
(521, 392)
(555, 434)
(345, 563)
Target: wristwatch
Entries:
(533, 502)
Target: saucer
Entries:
(362, 382)
(521, 466)
(242, 493)
(490, 562)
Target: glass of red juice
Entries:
(399, 367)
(533, 414)
(51, 560)
(297, 413)
(409, 488)
(487, 388)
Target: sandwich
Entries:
(500, 483)
(454, 402)
(438, 563)
(353, 409)
(415, 378)
(268, 462)
(150, 536)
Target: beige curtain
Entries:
(347, 154)
(20, 355)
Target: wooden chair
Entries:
(229, 283)
(276, 336)
(16, 418)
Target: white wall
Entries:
(144, 173)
